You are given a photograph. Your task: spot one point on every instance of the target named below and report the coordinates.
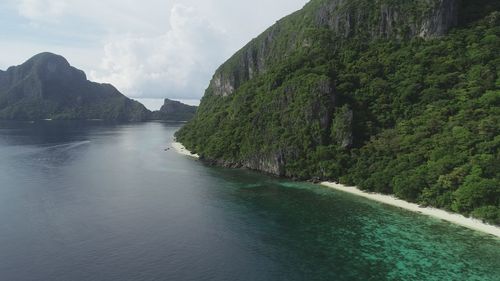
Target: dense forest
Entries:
(406, 115)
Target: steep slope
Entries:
(47, 87)
(398, 97)
(174, 111)
(362, 19)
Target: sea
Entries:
(101, 201)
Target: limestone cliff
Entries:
(345, 18)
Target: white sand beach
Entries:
(182, 150)
(436, 213)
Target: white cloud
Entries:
(175, 64)
(42, 10)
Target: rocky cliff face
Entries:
(48, 87)
(270, 163)
(345, 18)
(384, 19)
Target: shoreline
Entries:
(182, 150)
(457, 219)
(454, 218)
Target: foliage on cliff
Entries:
(414, 117)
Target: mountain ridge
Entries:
(46, 86)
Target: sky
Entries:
(148, 49)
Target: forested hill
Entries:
(397, 97)
(47, 87)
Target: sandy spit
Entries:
(182, 150)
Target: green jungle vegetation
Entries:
(417, 118)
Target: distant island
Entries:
(174, 111)
(394, 97)
(47, 87)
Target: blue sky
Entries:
(148, 49)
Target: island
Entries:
(394, 97)
(48, 87)
(174, 111)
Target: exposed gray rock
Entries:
(347, 18)
(270, 163)
(222, 85)
(442, 19)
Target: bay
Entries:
(97, 201)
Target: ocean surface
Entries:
(94, 201)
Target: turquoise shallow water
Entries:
(92, 201)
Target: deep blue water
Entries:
(93, 201)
